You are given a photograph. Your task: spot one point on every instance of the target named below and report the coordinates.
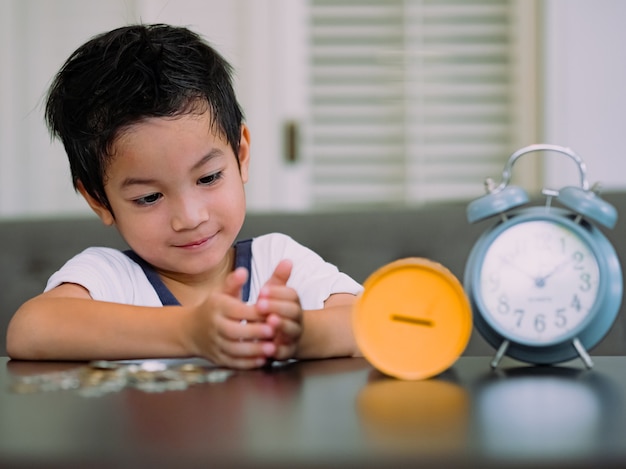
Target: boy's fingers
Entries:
(281, 273)
(235, 281)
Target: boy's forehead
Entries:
(149, 123)
(186, 140)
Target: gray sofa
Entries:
(358, 242)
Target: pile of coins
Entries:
(102, 377)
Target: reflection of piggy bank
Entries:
(429, 416)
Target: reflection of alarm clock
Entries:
(413, 319)
(543, 413)
(545, 284)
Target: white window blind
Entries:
(414, 100)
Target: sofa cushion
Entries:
(358, 242)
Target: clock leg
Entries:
(584, 356)
(499, 354)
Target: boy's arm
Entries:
(66, 324)
(328, 332)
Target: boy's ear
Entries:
(103, 213)
(244, 152)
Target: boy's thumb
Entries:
(281, 273)
(235, 280)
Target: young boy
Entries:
(158, 148)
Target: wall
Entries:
(584, 72)
(585, 89)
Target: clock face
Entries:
(539, 282)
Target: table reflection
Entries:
(402, 416)
(544, 412)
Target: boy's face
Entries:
(177, 193)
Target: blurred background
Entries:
(353, 103)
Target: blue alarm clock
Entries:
(544, 283)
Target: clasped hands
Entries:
(231, 333)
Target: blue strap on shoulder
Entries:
(243, 258)
(165, 295)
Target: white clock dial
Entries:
(538, 282)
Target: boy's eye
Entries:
(149, 199)
(210, 179)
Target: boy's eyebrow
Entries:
(215, 152)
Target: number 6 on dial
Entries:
(544, 283)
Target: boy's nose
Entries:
(188, 214)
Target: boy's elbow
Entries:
(12, 346)
(19, 344)
(13, 342)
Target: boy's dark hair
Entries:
(123, 76)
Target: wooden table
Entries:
(328, 413)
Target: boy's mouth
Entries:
(194, 244)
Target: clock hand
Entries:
(517, 267)
(540, 281)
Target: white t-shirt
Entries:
(110, 275)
